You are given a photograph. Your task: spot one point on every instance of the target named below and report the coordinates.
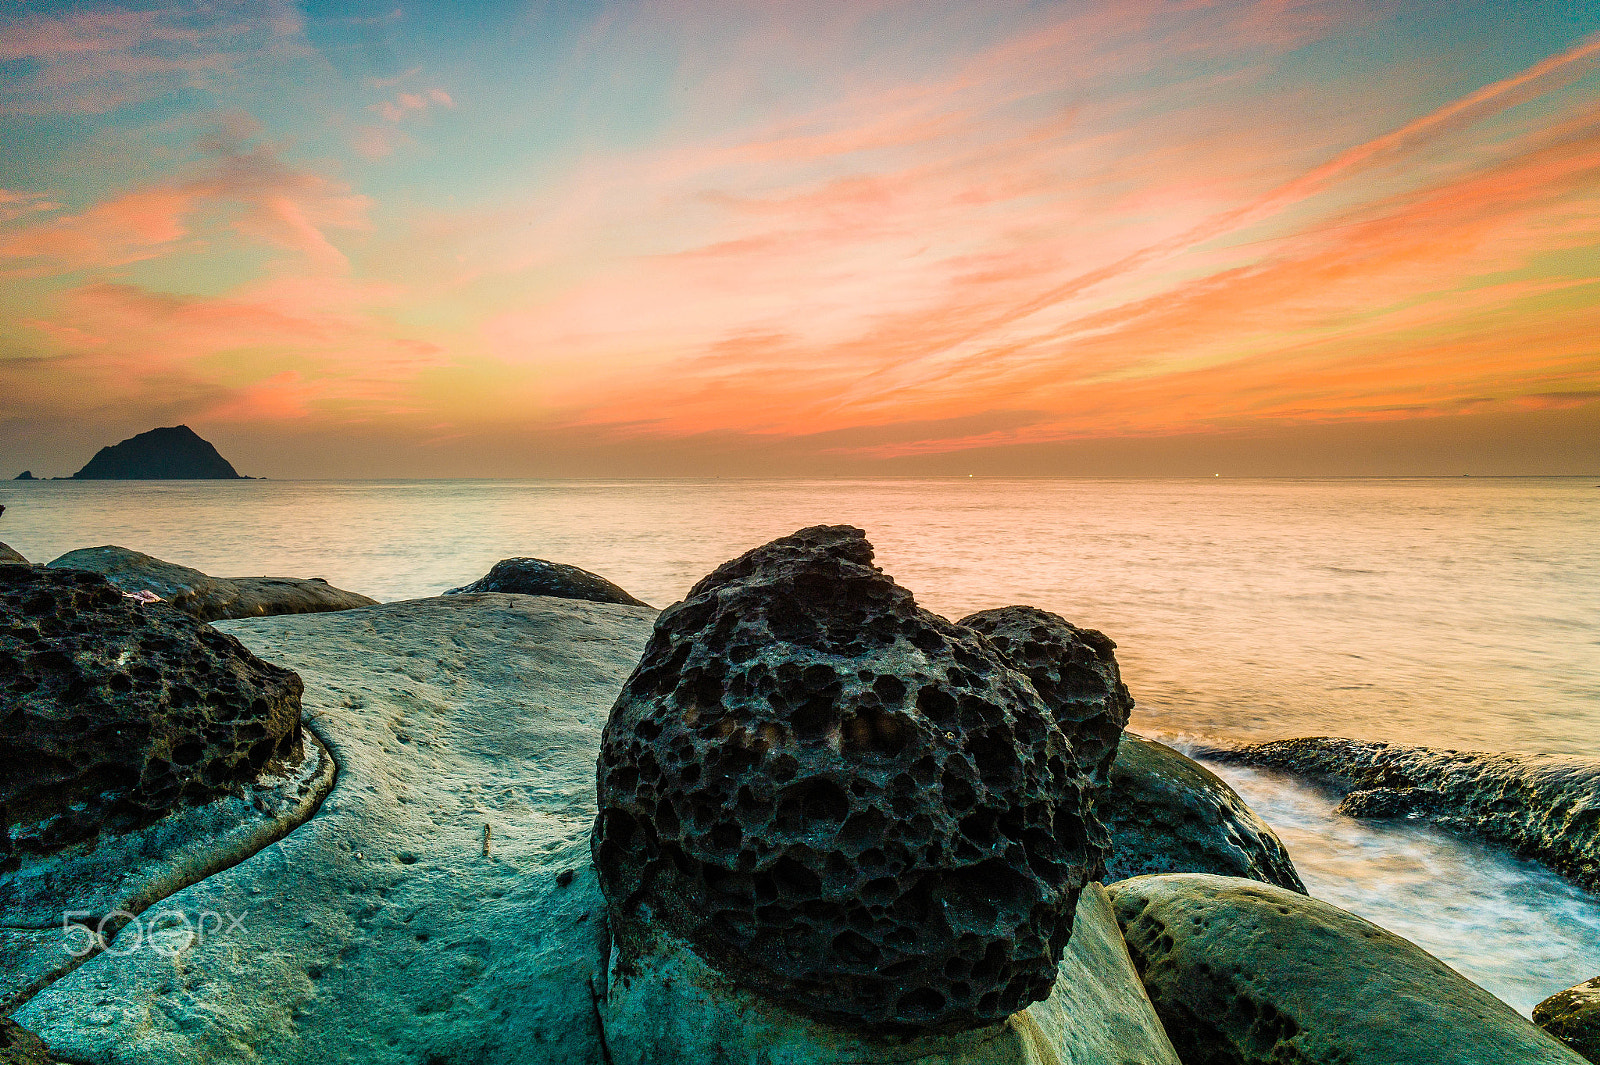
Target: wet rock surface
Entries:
(1538, 807)
(535, 576)
(1573, 1016)
(210, 598)
(113, 712)
(9, 555)
(1168, 813)
(1243, 973)
(843, 801)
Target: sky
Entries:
(838, 237)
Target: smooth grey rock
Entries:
(210, 598)
(113, 712)
(535, 576)
(7, 555)
(1245, 973)
(1545, 808)
(668, 1006)
(842, 800)
(1573, 1016)
(1168, 813)
(379, 931)
(101, 884)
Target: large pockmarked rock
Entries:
(380, 931)
(841, 800)
(210, 598)
(1074, 671)
(1245, 973)
(10, 555)
(535, 576)
(113, 712)
(1573, 1016)
(1168, 813)
(1546, 808)
(668, 1006)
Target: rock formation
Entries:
(1248, 974)
(18, 1046)
(115, 712)
(1542, 808)
(175, 453)
(9, 555)
(847, 803)
(1169, 814)
(535, 576)
(25, 475)
(210, 598)
(1573, 1016)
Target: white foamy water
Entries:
(1459, 613)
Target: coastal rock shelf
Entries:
(535, 576)
(210, 598)
(1542, 808)
(116, 712)
(857, 807)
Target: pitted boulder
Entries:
(1074, 670)
(842, 800)
(112, 712)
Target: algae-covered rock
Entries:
(1573, 1016)
(844, 801)
(1546, 808)
(18, 1046)
(210, 598)
(535, 576)
(1245, 973)
(1168, 813)
(383, 931)
(664, 1005)
(115, 712)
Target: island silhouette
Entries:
(173, 453)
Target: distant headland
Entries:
(173, 453)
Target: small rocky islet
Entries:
(793, 818)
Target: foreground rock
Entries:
(668, 1006)
(117, 712)
(210, 598)
(1169, 814)
(843, 801)
(1246, 973)
(1542, 808)
(1573, 1016)
(379, 931)
(173, 453)
(535, 576)
(9, 555)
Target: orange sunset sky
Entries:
(1126, 237)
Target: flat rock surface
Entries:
(1573, 1016)
(672, 1007)
(1168, 813)
(1250, 974)
(379, 931)
(104, 882)
(1546, 808)
(210, 598)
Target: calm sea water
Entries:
(1458, 613)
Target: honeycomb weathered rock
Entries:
(113, 712)
(843, 800)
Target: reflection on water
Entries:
(1457, 613)
(1510, 926)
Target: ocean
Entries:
(1459, 613)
